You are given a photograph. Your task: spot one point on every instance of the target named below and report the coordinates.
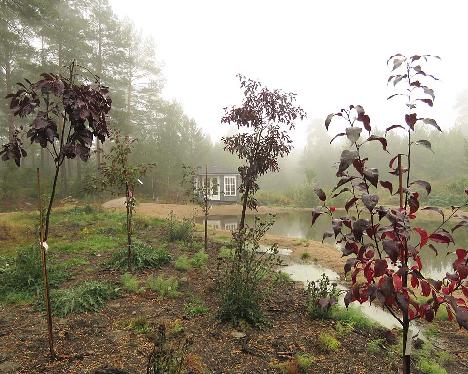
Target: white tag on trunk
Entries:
(409, 342)
(45, 246)
(140, 181)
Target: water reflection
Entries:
(297, 224)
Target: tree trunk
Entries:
(129, 225)
(11, 126)
(206, 207)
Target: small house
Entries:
(223, 184)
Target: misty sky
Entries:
(331, 53)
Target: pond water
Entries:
(297, 224)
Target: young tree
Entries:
(383, 243)
(68, 112)
(118, 174)
(199, 191)
(263, 121)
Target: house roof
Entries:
(217, 170)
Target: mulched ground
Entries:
(92, 340)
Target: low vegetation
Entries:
(143, 257)
(165, 287)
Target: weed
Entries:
(165, 287)
(179, 230)
(305, 256)
(328, 342)
(143, 257)
(226, 252)
(130, 283)
(199, 259)
(375, 346)
(428, 366)
(176, 328)
(85, 297)
(304, 360)
(140, 325)
(21, 280)
(195, 307)
(183, 263)
(322, 296)
(344, 328)
(283, 277)
(167, 357)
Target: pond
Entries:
(297, 224)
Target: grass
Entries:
(344, 328)
(130, 283)
(352, 315)
(182, 263)
(165, 287)
(143, 257)
(21, 281)
(88, 296)
(328, 342)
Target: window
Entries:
(230, 188)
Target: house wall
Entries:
(223, 198)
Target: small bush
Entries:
(130, 283)
(165, 287)
(85, 297)
(328, 342)
(143, 257)
(183, 263)
(199, 259)
(322, 296)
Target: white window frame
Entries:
(228, 192)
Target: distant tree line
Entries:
(46, 35)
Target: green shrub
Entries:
(322, 296)
(143, 257)
(248, 278)
(88, 296)
(328, 342)
(165, 287)
(130, 283)
(199, 259)
(183, 263)
(22, 280)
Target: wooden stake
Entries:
(206, 207)
(44, 269)
(400, 181)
